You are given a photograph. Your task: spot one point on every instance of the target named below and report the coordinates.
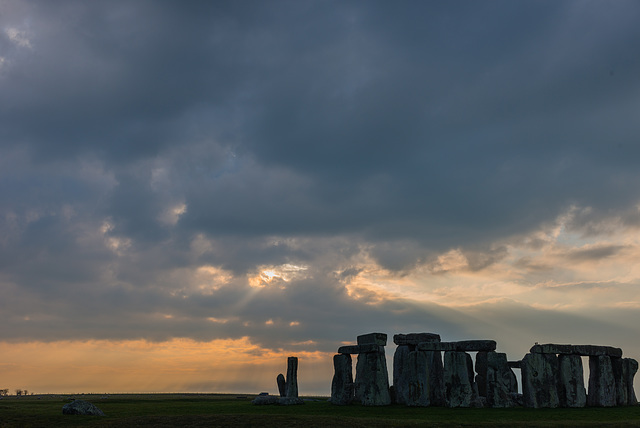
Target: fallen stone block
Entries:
(81, 407)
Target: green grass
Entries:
(223, 410)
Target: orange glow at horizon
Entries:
(178, 365)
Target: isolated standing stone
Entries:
(282, 385)
(539, 380)
(80, 407)
(571, 381)
(602, 384)
(372, 379)
(461, 390)
(342, 389)
(292, 378)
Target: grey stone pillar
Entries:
(342, 389)
(602, 384)
(539, 380)
(571, 389)
(460, 387)
(292, 377)
(500, 380)
(372, 379)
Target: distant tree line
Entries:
(5, 392)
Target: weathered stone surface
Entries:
(372, 379)
(263, 400)
(481, 373)
(602, 384)
(379, 339)
(358, 349)
(501, 382)
(289, 401)
(624, 370)
(461, 390)
(81, 407)
(282, 385)
(417, 377)
(515, 364)
(414, 339)
(436, 378)
(342, 388)
(403, 374)
(461, 346)
(291, 390)
(539, 380)
(583, 350)
(632, 369)
(571, 389)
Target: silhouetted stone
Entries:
(539, 380)
(411, 377)
(292, 378)
(631, 370)
(379, 339)
(282, 385)
(358, 349)
(342, 388)
(571, 389)
(501, 382)
(602, 384)
(461, 346)
(459, 384)
(372, 379)
(624, 370)
(481, 373)
(583, 350)
(80, 407)
(414, 339)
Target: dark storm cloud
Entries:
(294, 132)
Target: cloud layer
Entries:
(297, 173)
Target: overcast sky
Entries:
(277, 177)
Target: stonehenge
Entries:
(552, 375)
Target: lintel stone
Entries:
(414, 339)
(461, 346)
(373, 339)
(358, 349)
(582, 350)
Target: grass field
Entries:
(224, 410)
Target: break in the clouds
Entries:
(294, 173)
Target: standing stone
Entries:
(620, 375)
(372, 379)
(539, 380)
(500, 381)
(292, 377)
(282, 385)
(481, 373)
(403, 373)
(571, 381)
(461, 390)
(342, 390)
(632, 369)
(411, 377)
(602, 384)
(435, 372)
